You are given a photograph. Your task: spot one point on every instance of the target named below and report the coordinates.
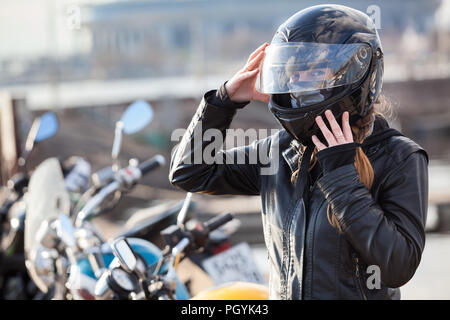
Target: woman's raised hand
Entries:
(241, 87)
(337, 135)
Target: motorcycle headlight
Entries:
(121, 281)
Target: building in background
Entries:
(78, 40)
(84, 53)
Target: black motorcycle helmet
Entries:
(323, 57)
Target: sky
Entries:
(30, 28)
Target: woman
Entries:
(344, 214)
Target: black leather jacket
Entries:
(309, 259)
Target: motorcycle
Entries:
(14, 280)
(147, 224)
(65, 253)
(129, 276)
(216, 257)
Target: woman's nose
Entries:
(294, 78)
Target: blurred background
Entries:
(87, 60)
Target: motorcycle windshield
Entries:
(46, 199)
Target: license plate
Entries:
(234, 264)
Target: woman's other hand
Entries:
(241, 87)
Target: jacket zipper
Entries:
(358, 277)
(311, 228)
(290, 248)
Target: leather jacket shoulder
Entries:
(400, 147)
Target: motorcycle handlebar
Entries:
(129, 177)
(151, 164)
(102, 176)
(218, 221)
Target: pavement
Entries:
(432, 278)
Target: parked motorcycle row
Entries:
(51, 249)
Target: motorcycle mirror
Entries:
(123, 252)
(42, 128)
(182, 214)
(48, 126)
(136, 117)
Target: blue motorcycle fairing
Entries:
(148, 251)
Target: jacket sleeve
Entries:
(390, 232)
(233, 171)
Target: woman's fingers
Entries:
(261, 96)
(248, 74)
(255, 61)
(257, 51)
(237, 82)
(337, 135)
(319, 145)
(346, 127)
(326, 133)
(335, 128)
(241, 87)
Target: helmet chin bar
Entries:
(300, 122)
(306, 99)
